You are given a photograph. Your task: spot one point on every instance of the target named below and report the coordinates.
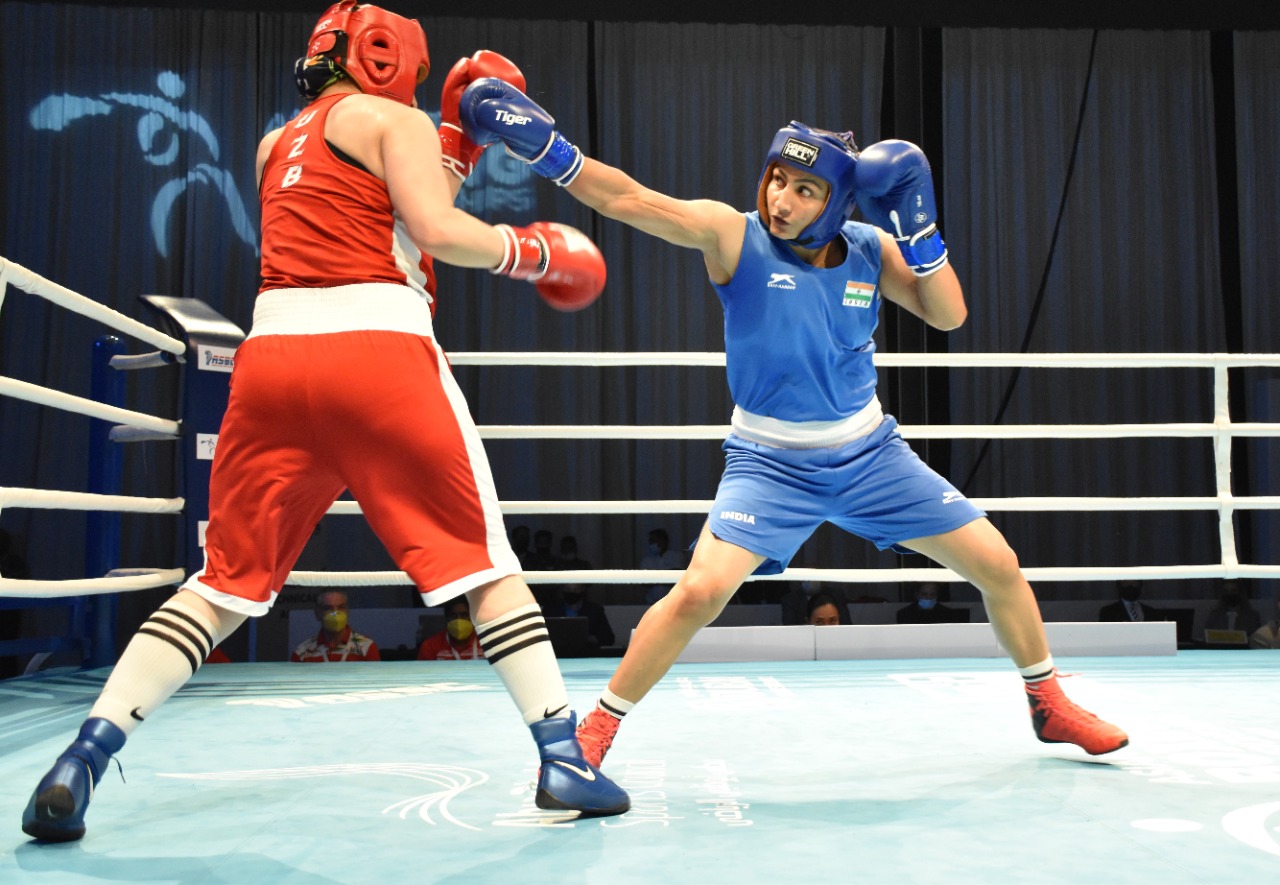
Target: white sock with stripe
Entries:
(1037, 673)
(518, 647)
(613, 705)
(166, 651)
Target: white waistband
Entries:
(807, 434)
(360, 306)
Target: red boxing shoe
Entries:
(596, 734)
(1058, 721)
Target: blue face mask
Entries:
(927, 603)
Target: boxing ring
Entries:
(879, 770)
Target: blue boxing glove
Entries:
(895, 193)
(494, 110)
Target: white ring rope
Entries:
(914, 360)
(34, 393)
(1003, 505)
(910, 431)
(136, 579)
(32, 283)
(1221, 430)
(120, 580)
(841, 575)
(50, 500)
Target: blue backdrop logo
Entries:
(500, 184)
(160, 131)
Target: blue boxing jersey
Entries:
(797, 338)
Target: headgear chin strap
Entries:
(383, 53)
(831, 156)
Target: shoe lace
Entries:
(1063, 708)
(600, 730)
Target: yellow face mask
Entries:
(460, 628)
(335, 621)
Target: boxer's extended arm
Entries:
(492, 110)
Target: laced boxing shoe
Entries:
(1059, 721)
(56, 810)
(568, 781)
(596, 734)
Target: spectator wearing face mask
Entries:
(458, 640)
(336, 641)
(927, 610)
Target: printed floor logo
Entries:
(354, 697)
(737, 692)
(452, 781)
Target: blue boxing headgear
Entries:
(831, 156)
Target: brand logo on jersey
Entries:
(799, 152)
(781, 281)
(735, 516)
(858, 294)
(510, 119)
(921, 217)
(952, 497)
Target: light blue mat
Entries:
(860, 771)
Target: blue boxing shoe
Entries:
(566, 780)
(56, 810)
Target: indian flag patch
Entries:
(858, 294)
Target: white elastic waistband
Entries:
(807, 434)
(357, 307)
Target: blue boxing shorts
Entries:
(771, 500)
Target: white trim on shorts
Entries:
(382, 307)
(780, 434)
(239, 604)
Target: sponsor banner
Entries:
(206, 445)
(215, 359)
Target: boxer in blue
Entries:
(801, 287)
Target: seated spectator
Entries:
(569, 560)
(659, 555)
(1127, 607)
(1268, 635)
(823, 610)
(797, 601)
(458, 640)
(573, 603)
(541, 559)
(927, 610)
(520, 545)
(336, 641)
(1233, 612)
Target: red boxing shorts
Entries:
(374, 411)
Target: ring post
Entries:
(103, 527)
(211, 341)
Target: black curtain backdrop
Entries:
(127, 156)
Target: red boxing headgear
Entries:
(384, 53)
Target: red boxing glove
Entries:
(563, 264)
(461, 153)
